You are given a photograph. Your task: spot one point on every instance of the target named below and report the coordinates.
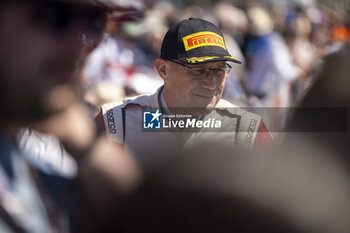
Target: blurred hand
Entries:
(70, 121)
(71, 125)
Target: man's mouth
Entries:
(209, 96)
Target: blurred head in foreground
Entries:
(209, 189)
(41, 42)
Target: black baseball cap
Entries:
(195, 41)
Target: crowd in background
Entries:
(281, 45)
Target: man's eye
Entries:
(220, 72)
(198, 71)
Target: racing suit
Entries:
(122, 123)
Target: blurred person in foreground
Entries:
(41, 44)
(329, 93)
(193, 66)
(209, 190)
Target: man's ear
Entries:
(162, 68)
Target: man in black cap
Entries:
(193, 67)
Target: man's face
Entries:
(40, 46)
(185, 87)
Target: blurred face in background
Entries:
(40, 46)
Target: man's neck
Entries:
(163, 104)
(167, 100)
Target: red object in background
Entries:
(340, 33)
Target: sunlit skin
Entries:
(182, 91)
